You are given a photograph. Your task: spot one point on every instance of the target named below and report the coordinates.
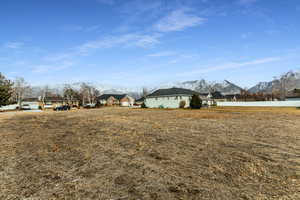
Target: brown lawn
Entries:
(119, 153)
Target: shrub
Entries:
(182, 104)
(143, 105)
(196, 102)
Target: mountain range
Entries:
(291, 80)
(203, 86)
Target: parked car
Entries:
(62, 108)
(26, 107)
(90, 105)
(48, 106)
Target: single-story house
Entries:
(211, 98)
(55, 101)
(123, 100)
(52, 102)
(169, 98)
(32, 104)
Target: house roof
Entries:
(217, 95)
(140, 99)
(55, 98)
(116, 96)
(293, 97)
(214, 95)
(31, 99)
(231, 96)
(172, 91)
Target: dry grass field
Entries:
(120, 154)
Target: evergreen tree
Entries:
(5, 90)
(196, 102)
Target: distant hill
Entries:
(203, 86)
(262, 87)
(292, 81)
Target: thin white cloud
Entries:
(126, 40)
(232, 65)
(272, 32)
(178, 20)
(79, 28)
(182, 57)
(137, 13)
(246, 2)
(60, 56)
(72, 28)
(162, 54)
(106, 2)
(92, 28)
(138, 7)
(52, 67)
(14, 45)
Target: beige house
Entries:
(55, 101)
(47, 103)
(123, 100)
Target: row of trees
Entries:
(259, 96)
(13, 92)
(87, 94)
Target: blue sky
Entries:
(141, 42)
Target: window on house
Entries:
(176, 97)
(180, 97)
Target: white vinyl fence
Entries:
(261, 104)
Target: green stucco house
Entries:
(169, 98)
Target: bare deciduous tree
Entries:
(88, 93)
(20, 89)
(70, 93)
(145, 92)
